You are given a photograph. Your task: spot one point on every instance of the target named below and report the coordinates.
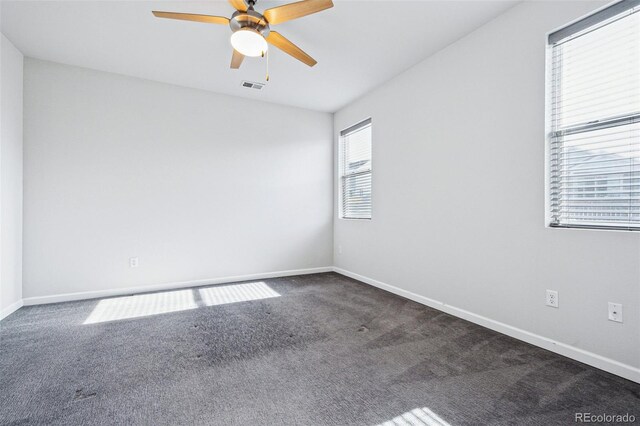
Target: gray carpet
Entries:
(328, 351)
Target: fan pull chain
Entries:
(267, 53)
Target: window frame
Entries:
(351, 129)
(564, 33)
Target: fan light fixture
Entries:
(252, 30)
(249, 42)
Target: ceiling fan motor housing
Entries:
(249, 19)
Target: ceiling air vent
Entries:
(252, 85)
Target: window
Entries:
(594, 117)
(355, 171)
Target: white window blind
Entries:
(355, 171)
(594, 144)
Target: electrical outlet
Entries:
(133, 262)
(615, 312)
(552, 298)
(339, 248)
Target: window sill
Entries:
(593, 228)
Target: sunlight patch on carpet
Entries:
(416, 417)
(141, 305)
(221, 295)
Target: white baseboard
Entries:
(607, 364)
(67, 297)
(10, 309)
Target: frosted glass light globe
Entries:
(249, 42)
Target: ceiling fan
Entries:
(251, 30)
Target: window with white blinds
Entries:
(355, 171)
(594, 140)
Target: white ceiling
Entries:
(358, 44)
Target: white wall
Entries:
(10, 178)
(458, 196)
(196, 185)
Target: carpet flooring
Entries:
(309, 350)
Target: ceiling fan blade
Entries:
(209, 19)
(236, 59)
(279, 41)
(239, 5)
(280, 14)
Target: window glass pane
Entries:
(599, 73)
(598, 176)
(357, 196)
(358, 150)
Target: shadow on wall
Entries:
(144, 305)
